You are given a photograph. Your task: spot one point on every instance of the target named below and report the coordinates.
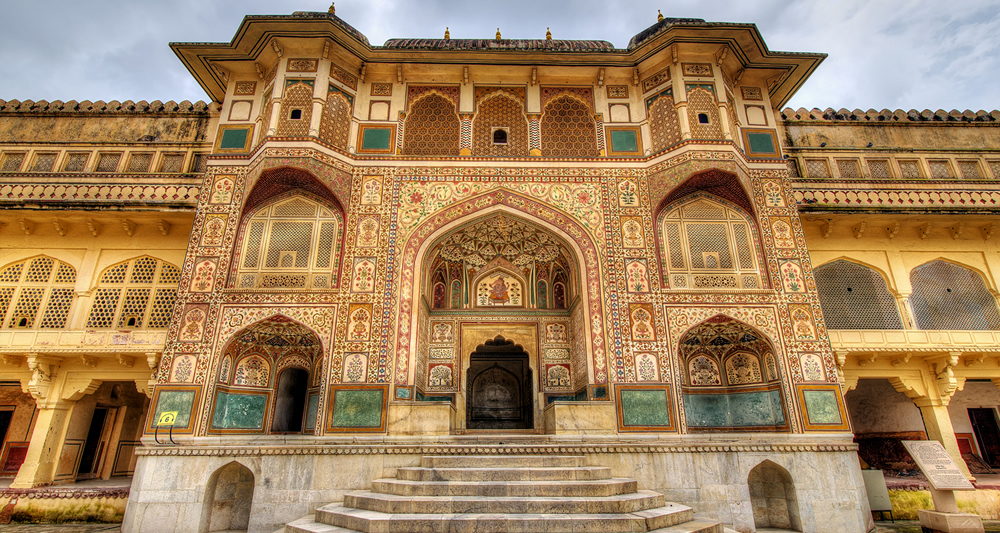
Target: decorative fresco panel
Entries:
(803, 325)
(222, 189)
(363, 275)
(359, 322)
(557, 377)
(499, 290)
(371, 190)
(641, 319)
(214, 230)
(632, 234)
(203, 279)
(193, 323)
(637, 274)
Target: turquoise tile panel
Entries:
(234, 139)
(645, 407)
(624, 141)
(376, 138)
(761, 143)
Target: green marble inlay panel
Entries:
(181, 401)
(822, 407)
(624, 141)
(239, 411)
(376, 138)
(645, 407)
(234, 139)
(745, 409)
(311, 411)
(357, 408)
(761, 143)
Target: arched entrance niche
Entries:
(268, 380)
(290, 235)
(228, 499)
(731, 379)
(499, 392)
(435, 347)
(772, 496)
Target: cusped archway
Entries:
(267, 381)
(731, 378)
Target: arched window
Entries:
(500, 127)
(707, 244)
(136, 294)
(855, 297)
(36, 293)
(292, 243)
(948, 296)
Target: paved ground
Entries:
(901, 526)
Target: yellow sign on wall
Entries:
(167, 418)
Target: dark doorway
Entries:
(5, 417)
(499, 387)
(984, 424)
(290, 401)
(93, 448)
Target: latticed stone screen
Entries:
(108, 162)
(848, 168)
(432, 127)
(500, 112)
(335, 124)
(879, 169)
(568, 129)
(855, 297)
(172, 163)
(817, 168)
(76, 162)
(948, 296)
(291, 244)
(995, 168)
(939, 169)
(909, 169)
(36, 293)
(970, 170)
(708, 246)
(298, 97)
(43, 162)
(11, 162)
(701, 101)
(136, 294)
(664, 126)
(139, 163)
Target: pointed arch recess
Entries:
(420, 239)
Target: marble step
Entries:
(504, 474)
(541, 489)
(394, 504)
(502, 461)
(366, 521)
(309, 525)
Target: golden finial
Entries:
(332, 10)
(447, 34)
(498, 34)
(659, 16)
(548, 34)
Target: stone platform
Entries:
(457, 494)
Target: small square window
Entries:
(295, 114)
(11, 162)
(703, 118)
(499, 135)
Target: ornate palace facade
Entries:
(357, 255)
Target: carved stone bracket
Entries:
(943, 369)
(78, 387)
(43, 369)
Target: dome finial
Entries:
(548, 34)
(332, 10)
(447, 34)
(659, 16)
(498, 34)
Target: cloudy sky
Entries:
(883, 53)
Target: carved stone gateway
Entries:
(499, 393)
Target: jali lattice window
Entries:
(292, 243)
(948, 296)
(136, 294)
(36, 293)
(855, 297)
(708, 245)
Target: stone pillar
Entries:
(905, 311)
(727, 132)
(937, 421)
(45, 447)
(317, 116)
(682, 119)
(272, 128)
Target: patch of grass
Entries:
(906, 503)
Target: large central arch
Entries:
(415, 250)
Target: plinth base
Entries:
(935, 522)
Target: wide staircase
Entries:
(503, 494)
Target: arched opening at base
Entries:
(230, 495)
(772, 496)
(499, 393)
(290, 401)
